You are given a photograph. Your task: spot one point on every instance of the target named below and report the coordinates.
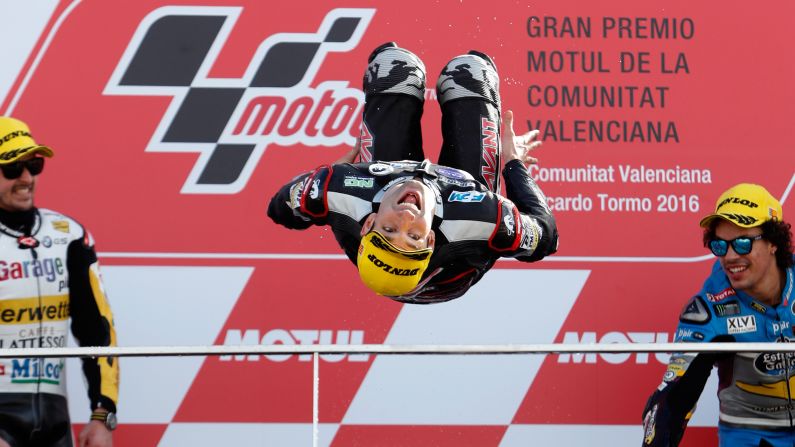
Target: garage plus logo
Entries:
(230, 121)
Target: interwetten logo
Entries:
(230, 122)
(34, 310)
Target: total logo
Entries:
(249, 337)
(614, 337)
(231, 121)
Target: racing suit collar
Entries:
(18, 223)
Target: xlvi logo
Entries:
(228, 121)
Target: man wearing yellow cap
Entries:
(748, 297)
(48, 274)
(421, 232)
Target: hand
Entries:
(95, 434)
(351, 155)
(517, 147)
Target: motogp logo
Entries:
(228, 121)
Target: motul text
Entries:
(250, 337)
(614, 337)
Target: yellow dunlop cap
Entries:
(16, 142)
(745, 205)
(388, 270)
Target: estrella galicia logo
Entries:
(231, 121)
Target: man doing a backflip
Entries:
(421, 232)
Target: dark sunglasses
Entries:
(741, 245)
(12, 171)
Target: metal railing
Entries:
(317, 350)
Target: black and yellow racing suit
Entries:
(48, 275)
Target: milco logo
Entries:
(33, 371)
(229, 121)
(614, 337)
(235, 337)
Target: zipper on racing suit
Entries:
(785, 305)
(36, 398)
(786, 357)
(789, 390)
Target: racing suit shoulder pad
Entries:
(61, 223)
(696, 311)
(313, 192)
(508, 229)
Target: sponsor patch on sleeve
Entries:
(741, 324)
(61, 225)
(507, 233)
(358, 182)
(720, 296)
(466, 196)
(313, 195)
(726, 309)
(695, 311)
(650, 425)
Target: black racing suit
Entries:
(49, 273)
(474, 225)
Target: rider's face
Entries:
(17, 194)
(747, 272)
(405, 216)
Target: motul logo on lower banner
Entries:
(250, 337)
(614, 337)
(230, 122)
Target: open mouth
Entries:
(736, 268)
(22, 189)
(411, 198)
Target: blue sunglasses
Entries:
(741, 245)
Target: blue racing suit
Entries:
(755, 389)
